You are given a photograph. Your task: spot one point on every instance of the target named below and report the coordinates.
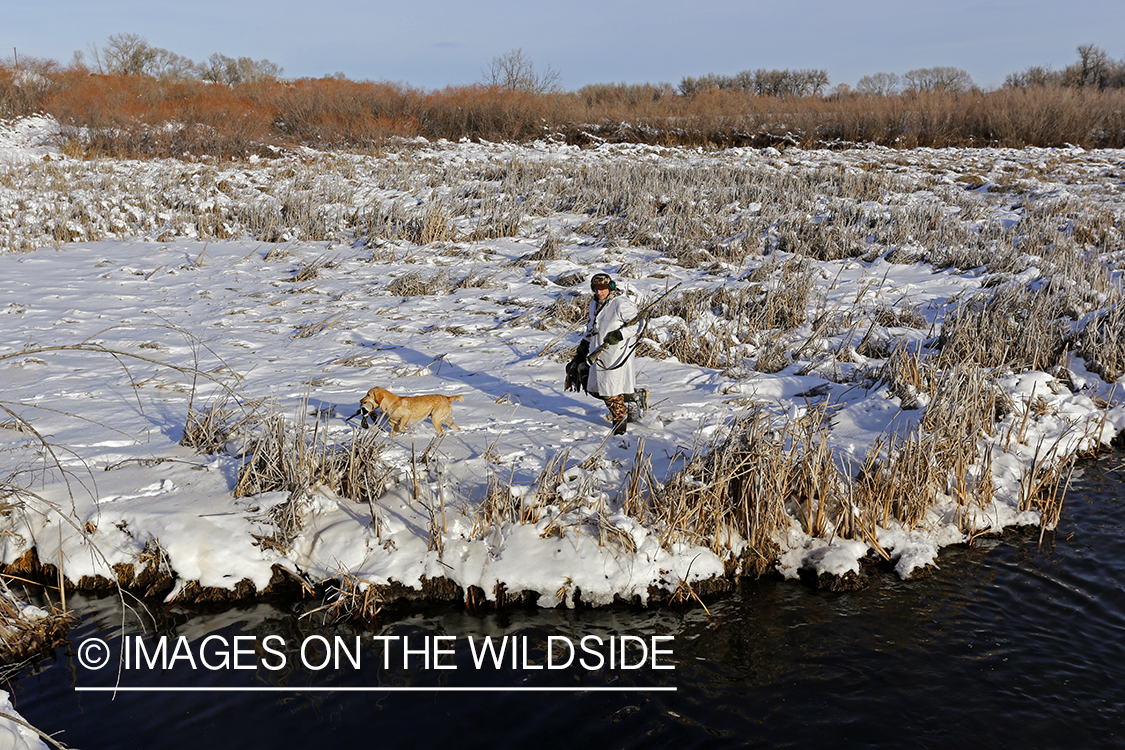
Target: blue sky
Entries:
(434, 43)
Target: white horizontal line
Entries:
(264, 689)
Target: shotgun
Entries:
(641, 315)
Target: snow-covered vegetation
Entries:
(874, 353)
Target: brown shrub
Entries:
(22, 89)
(488, 112)
(335, 112)
(136, 116)
(142, 116)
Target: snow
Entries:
(29, 139)
(13, 735)
(228, 314)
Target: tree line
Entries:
(1094, 69)
(131, 54)
(122, 101)
(762, 82)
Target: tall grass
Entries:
(26, 637)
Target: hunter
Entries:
(613, 323)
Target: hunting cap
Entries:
(601, 281)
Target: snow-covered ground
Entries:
(114, 327)
(16, 735)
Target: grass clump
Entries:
(418, 284)
(25, 631)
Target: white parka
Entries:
(613, 373)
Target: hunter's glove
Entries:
(613, 337)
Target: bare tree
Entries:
(232, 72)
(124, 54)
(1092, 68)
(943, 79)
(165, 64)
(816, 81)
(762, 82)
(1034, 75)
(689, 85)
(879, 84)
(515, 71)
(131, 54)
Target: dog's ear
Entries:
(377, 395)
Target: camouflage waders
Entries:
(626, 407)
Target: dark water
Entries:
(1009, 644)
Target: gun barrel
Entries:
(641, 315)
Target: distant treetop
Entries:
(762, 82)
(131, 54)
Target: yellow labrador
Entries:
(403, 411)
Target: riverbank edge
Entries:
(349, 600)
